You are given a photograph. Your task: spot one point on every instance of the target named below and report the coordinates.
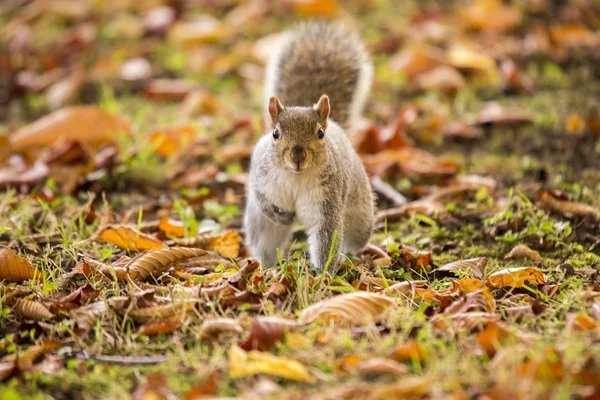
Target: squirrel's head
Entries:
(299, 134)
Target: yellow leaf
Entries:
(490, 15)
(155, 262)
(254, 362)
(407, 388)
(523, 251)
(128, 239)
(461, 56)
(227, 244)
(516, 278)
(14, 268)
(475, 285)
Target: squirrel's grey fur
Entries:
(306, 170)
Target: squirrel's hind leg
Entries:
(264, 236)
(359, 223)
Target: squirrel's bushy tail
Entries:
(321, 58)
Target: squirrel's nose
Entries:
(298, 154)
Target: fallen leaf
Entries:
(26, 359)
(573, 35)
(516, 278)
(460, 130)
(227, 244)
(14, 268)
(200, 102)
(314, 8)
(85, 317)
(86, 124)
(406, 388)
(155, 262)
(581, 322)
(171, 228)
(129, 239)
(242, 364)
(169, 311)
(67, 89)
(409, 351)
(214, 326)
(32, 310)
(155, 388)
(567, 208)
(463, 57)
(204, 29)
(523, 251)
(416, 59)
(574, 124)
(494, 114)
(382, 366)
(491, 338)
(411, 162)
(443, 78)
(136, 69)
(157, 327)
(21, 174)
(167, 142)
(514, 78)
(353, 308)
(472, 266)
(490, 15)
(204, 389)
(267, 331)
(168, 89)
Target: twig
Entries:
(122, 360)
(386, 190)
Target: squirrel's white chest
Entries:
(290, 191)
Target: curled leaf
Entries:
(254, 362)
(382, 366)
(32, 310)
(154, 263)
(516, 278)
(471, 266)
(171, 228)
(166, 311)
(85, 317)
(353, 308)
(567, 208)
(214, 326)
(14, 268)
(407, 388)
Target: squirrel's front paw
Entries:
(283, 217)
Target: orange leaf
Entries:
(346, 365)
(86, 124)
(128, 239)
(574, 124)
(490, 15)
(171, 228)
(267, 331)
(523, 251)
(167, 142)
(312, 8)
(490, 339)
(154, 328)
(516, 278)
(581, 322)
(475, 285)
(410, 351)
(573, 35)
(14, 268)
(411, 161)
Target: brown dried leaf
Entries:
(443, 78)
(407, 388)
(14, 268)
(567, 208)
(21, 174)
(382, 366)
(227, 244)
(214, 326)
(516, 278)
(129, 239)
(416, 59)
(86, 124)
(26, 359)
(267, 331)
(155, 262)
(523, 251)
(490, 15)
(155, 388)
(205, 29)
(411, 161)
(472, 266)
(572, 35)
(166, 311)
(476, 286)
(85, 317)
(494, 114)
(157, 327)
(32, 310)
(463, 57)
(352, 308)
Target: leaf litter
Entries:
(485, 256)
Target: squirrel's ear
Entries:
(322, 108)
(275, 108)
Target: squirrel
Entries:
(306, 169)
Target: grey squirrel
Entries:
(306, 169)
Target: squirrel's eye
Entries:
(275, 133)
(321, 133)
